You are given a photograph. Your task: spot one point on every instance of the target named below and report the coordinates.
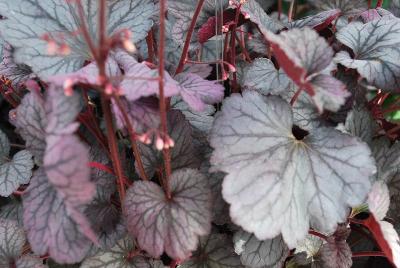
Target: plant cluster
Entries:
(199, 133)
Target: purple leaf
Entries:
(174, 225)
(31, 121)
(375, 47)
(307, 59)
(66, 167)
(336, 253)
(183, 154)
(12, 239)
(51, 224)
(141, 81)
(197, 92)
(142, 113)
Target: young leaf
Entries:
(183, 154)
(51, 225)
(215, 251)
(141, 81)
(318, 22)
(12, 239)
(360, 123)
(336, 253)
(59, 20)
(309, 247)
(291, 180)
(31, 121)
(262, 75)
(347, 7)
(255, 253)
(376, 48)
(198, 92)
(379, 200)
(15, 172)
(171, 225)
(119, 256)
(387, 158)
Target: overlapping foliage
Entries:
(199, 133)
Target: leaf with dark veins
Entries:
(171, 225)
(117, 257)
(347, 7)
(360, 123)
(214, 251)
(12, 211)
(31, 121)
(15, 172)
(30, 261)
(318, 22)
(376, 48)
(29, 20)
(336, 253)
(262, 75)
(18, 74)
(255, 253)
(307, 60)
(291, 181)
(183, 154)
(51, 224)
(197, 92)
(141, 81)
(12, 239)
(387, 158)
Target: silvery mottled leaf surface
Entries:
(12, 211)
(376, 51)
(277, 183)
(310, 246)
(51, 226)
(31, 121)
(30, 261)
(307, 60)
(255, 253)
(28, 21)
(197, 92)
(18, 74)
(214, 251)
(174, 225)
(360, 123)
(318, 21)
(4, 147)
(262, 75)
(12, 239)
(183, 153)
(395, 7)
(15, 172)
(347, 7)
(336, 253)
(117, 257)
(379, 200)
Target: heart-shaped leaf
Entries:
(336, 253)
(59, 20)
(281, 180)
(256, 253)
(171, 225)
(215, 251)
(375, 47)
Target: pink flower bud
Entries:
(159, 144)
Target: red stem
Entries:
(290, 13)
(85, 31)
(162, 102)
(279, 9)
(369, 4)
(315, 233)
(368, 254)
(233, 49)
(295, 97)
(150, 46)
(379, 3)
(183, 58)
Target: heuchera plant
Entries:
(199, 133)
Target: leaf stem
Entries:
(85, 31)
(150, 45)
(162, 101)
(291, 8)
(132, 136)
(295, 97)
(368, 254)
(379, 3)
(233, 48)
(315, 233)
(186, 46)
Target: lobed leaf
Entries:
(12, 239)
(171, 225)
(282, 181)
